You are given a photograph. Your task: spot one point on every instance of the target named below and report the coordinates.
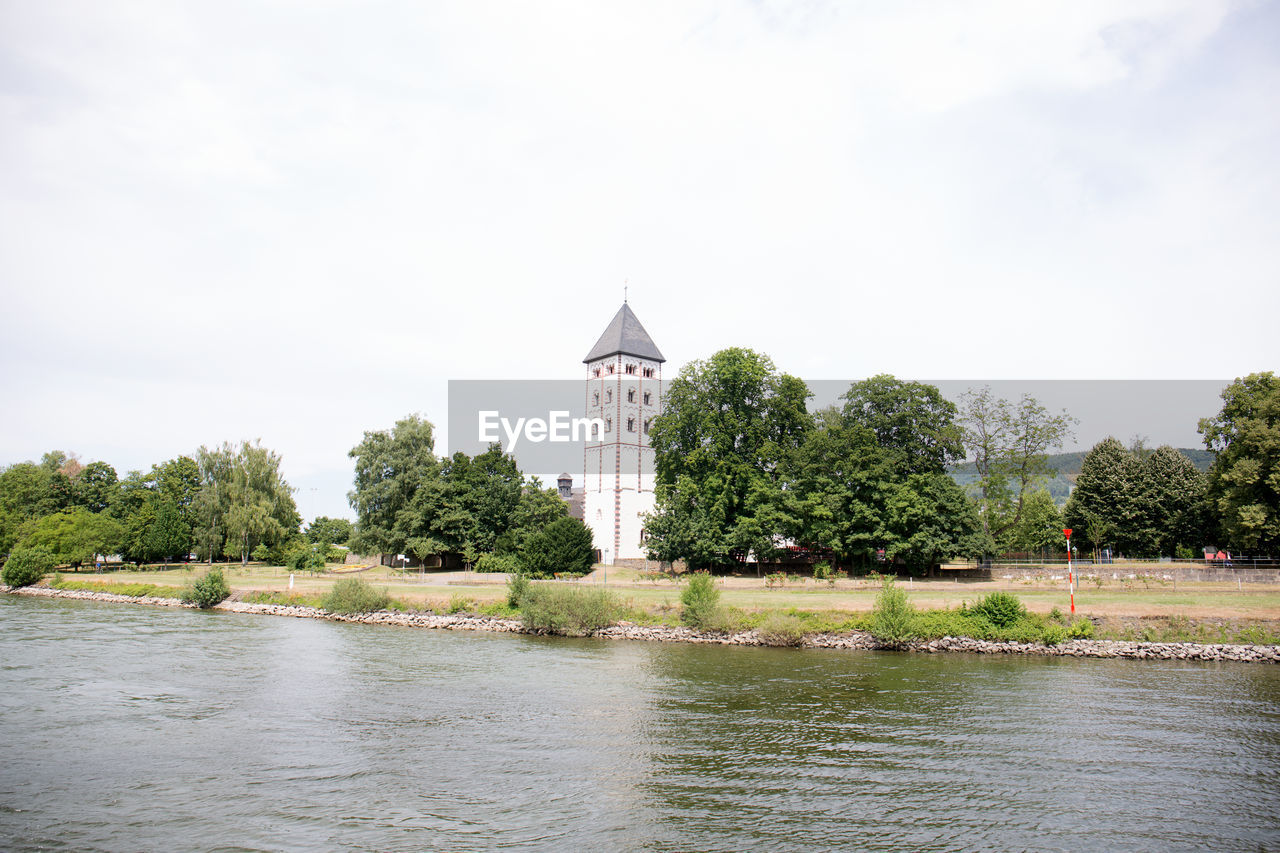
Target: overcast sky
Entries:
(298, 220)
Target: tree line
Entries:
(743, 468)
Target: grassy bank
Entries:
(1193, 613)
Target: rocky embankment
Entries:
(669, 634)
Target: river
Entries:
(135, 728)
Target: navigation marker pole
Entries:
(1071, 578)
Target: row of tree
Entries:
(229, 501)
(744, 468)
(409, 501)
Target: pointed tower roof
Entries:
(624, 335)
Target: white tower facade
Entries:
(624, 390)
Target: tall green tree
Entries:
(390, 467)
(1009, 444)
(726, 423)
(95, 486)
(910, 420)
(73, 536)
(335, 531)
(1244, 482)
(1104, 509)
(244, 500)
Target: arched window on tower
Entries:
(631, 395)
(646, 398)
(647, 421)
(608, 395)
(595, 398)
(631, 424)
(608, 424)
(648, 373)
(631, 369)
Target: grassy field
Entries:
(1200, 601)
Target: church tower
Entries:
(624, 390)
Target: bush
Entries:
(1081, 629)
(564, 546)
(892, 615)
(1001, 609)
(701, 600)
(781, 629)
(1053, 634)
(569, 610)
(517, 587)
(493, 563)
(352, 595)
(26, 566)
(821, 570)
(207, 591)
(305, 559)
(459, 603)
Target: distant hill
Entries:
(1067, 466)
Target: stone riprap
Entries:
(681, 634)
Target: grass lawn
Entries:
(1112, 600)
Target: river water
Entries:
(135, 728)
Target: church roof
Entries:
(624, 335)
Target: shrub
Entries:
(1053, 634)
(701, 600)
(26, 566)
(892, 616)
(781, 629)
(517, 587)
(564, 546)
(459, 603)
(569, 610)
(821, 570)
(305, 558)
(493, 563)
(1081, 629)
(1001, 609)
(207, 591)
(353, 595)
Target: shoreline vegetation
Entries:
(1002, 623)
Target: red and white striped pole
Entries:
(1071, 578)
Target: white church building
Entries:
(624, 389)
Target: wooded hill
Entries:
(1067, 467)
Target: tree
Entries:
(28, 490)
(1038, 529)
(725, 424)
(334, 531)
(74, 536)
(912, 420)
(1244, 482)
(1104, 509)
(563, 547)
(1009, 445)
(390, 467)
(244, 500)
(464, 508)
(928, 520)
(536, 509)
(1174, 508)
(95, 486)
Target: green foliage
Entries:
(73, 536)
(1009, 444)
(306, 558)
(517, 588)
(207, 590)
(334, 531)
(353, 595)
(459, 603)
(570, 610)
(725, 424)
(1081, 629)
(911, 421)
(701, 600)
(781, 629)
(536, 509)
(494, 563)
(1000, 608)
(1244, 483)
(892, 616)
(563, 547)
(26, 566)
(243, 501)
(390, 467)
(499, 609)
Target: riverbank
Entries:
(853, 640)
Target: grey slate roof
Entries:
(624, 335)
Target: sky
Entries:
(297, 221)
